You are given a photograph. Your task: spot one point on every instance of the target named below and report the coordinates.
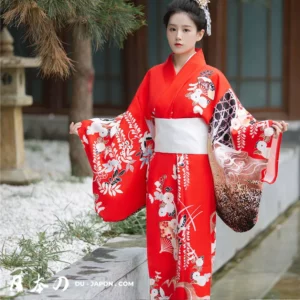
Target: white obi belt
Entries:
(182, 136)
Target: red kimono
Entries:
(186, 149)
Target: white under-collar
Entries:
(187, 59)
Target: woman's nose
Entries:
(178, 36)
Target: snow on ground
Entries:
(26, 210)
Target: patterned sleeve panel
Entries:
(243, 154)
(119, 151)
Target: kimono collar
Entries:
(197, 58)
(196, 61)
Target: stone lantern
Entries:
(13, 97)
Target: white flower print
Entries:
(114, 129)
(100, 146)
(157, 184)
(201, 93)
(158, 195)
(202, 101)
(199, 262)
(173, 224)
(154, 294)
(117, 154)
(163, 295)
(243, 116)
(198, 110)
(269, 131)
(96, 127)
(157, 293)
(85, 139)
(112, 165)
(196, 95)
(201, 279)
(168, 200)
(235, 124)
(263, 149)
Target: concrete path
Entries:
(270, 271)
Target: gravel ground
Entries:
(26, 210)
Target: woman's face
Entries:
(182, 33)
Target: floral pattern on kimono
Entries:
(175, 236)
(117, 148)
(243, 155)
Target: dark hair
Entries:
(191, 8)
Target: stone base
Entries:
(104, 274)
(22, 176)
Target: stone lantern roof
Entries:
(7, 57)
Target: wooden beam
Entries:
(135, 58)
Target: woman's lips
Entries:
(178, 45)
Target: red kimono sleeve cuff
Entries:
(271, 172)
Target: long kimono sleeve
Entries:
(119, 151)
(243, 154)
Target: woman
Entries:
(186, 149)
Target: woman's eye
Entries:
(186, 30)
(172, 29)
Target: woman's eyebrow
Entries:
(182, 25)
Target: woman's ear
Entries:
(200, 35)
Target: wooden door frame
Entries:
(214, 48)
(291, 66)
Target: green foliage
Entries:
(94, 231)
(32, 258)
(86, 228)
(104, 21)
(101, 20)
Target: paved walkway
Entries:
(270, 271)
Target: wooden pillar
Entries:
(214, 46)
(135, 57)
(292, 57)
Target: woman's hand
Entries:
(279, 126)
(74, 128)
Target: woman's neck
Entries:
(179, 60)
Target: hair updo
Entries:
(191, 8)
